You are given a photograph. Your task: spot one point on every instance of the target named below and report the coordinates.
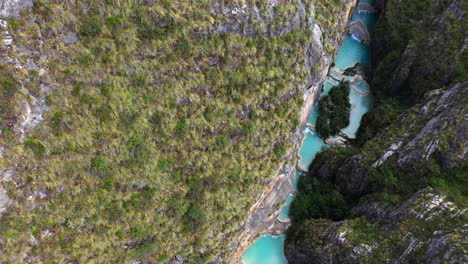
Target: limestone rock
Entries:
(12, 8)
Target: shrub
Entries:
(316, 199)
(248, 127)
(9, 86)
(184, 46)
(90, 27)
(181, 126)
(14, 24)
(76, 90)
(99, 163)
(222, 142)
(105, 90)
(162, 164)
(144, 248)
(113, 22)
(195, 217)
(135, 142)
(334, 111)
(175, 176)
(141, 80)
(156, 119)
(41, 8)
(279, 150)
(37, 147)
(176, 206)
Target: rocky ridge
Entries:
(33, 103)
(421, 229)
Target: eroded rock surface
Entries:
(12, 8)
(418, 230)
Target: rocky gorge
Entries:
(405, 174)
(100, 94)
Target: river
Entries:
(268, 249)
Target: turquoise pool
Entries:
(311, 145)
(369, 2)
(298, 175)
(352, 51)
(359, 106)
(266, 250)
(367, 18)
(284, 212)
(312, 120)
(327, 85)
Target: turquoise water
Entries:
(367, 18)
(352, 51)
(296, 182)
(327, 85)
(266, 250)
(284, 212)
(369, 2)
(311, 145)
(312, 120)
(362, 87)
(359, 106)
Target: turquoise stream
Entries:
(327, 85)
(311, 145)
(284, 213)
(268, 249)
(368, 19)
(359, 106)
(352, 51)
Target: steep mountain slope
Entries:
(401, 186)
(145, 130)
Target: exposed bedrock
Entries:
(12, 8)
(359, 29)
(371, 236)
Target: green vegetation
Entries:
(380, 117)
(156, 133)
(317, 199)
(37, 147)
(317, 195)
(408, 27)
(425, 41)
(431, 51)
(334, 111)
(8, 88)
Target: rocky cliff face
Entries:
(420, 60)
(420, 46)
(435, 130)
(427, 228)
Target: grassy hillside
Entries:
(158, 133)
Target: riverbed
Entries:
(268, 249)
